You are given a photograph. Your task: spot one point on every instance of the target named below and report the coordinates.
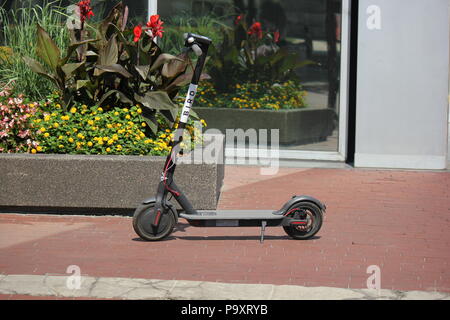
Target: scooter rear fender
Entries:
(298, 199)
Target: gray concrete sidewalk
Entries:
(128, 288)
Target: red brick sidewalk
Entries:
(398, 220)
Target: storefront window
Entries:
(274, 65)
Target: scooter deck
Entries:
(233, 215)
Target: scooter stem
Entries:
(200, 45)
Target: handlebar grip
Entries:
(197, 50)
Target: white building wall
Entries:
(403, 72)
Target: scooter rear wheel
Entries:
(142, 218)
(305, 211)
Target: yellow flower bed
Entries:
(92, 130)
(257, 95)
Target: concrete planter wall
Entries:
(297, 126)
(99, 184)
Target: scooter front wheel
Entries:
(305, 211)
(142, 218)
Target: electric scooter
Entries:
(301, 217)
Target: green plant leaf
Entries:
(69, 68)
(174, 67)
(39, 69)
(67, 99)
(162, 59)
(124, 18)
(145, 48)
(73, 46)
(121, 38)
(143, 71)
(82, 83)
(170, 115)
(109, 54)
(151, 122)
(289, 62)
(116, 68)
(46, 48)
(91, 53)
(115, 15)
(184, 79)
(156, 100)
(122, 97)
(193, 115)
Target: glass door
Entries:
(278, 72)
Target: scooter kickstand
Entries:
(263, 227)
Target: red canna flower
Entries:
(256, 29)
(155, 26)
(85, 10)
(137, 33)
(276, 36)
(238, 19)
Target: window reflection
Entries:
(248, 91)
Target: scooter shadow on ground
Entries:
(231, 238)
(253, 238)
(181, 227)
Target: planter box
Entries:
(100, 184)
(297, 126)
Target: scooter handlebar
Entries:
(197, 43)
(197, 38)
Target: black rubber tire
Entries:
(142, 225)
(317, 219)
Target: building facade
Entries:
(377, 85)
(383, 68)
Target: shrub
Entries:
(108, 64)
(16, 130)
(207, 25)
(18, 31)
(250, 53)
(94, 130)
(257, 95)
